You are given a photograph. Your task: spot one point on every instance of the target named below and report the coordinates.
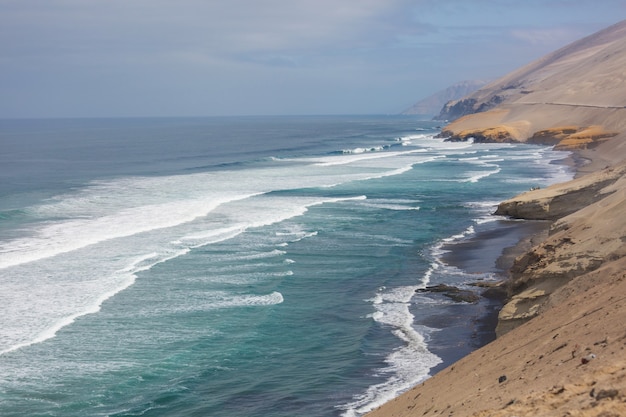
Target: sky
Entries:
(153, 58)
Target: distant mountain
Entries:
(432, 105)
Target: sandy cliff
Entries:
(561, 349)
(590, 231)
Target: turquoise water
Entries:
(232, 266)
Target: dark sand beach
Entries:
(464, 327)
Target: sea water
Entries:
(244, 266)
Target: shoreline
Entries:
(463, 328)
(561, 343)
(535, 368)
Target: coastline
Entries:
(561, 342)
(535, 368)
(465, 327)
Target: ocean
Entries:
(236, 266)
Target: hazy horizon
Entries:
(195, 58)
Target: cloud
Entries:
(545, 36)
(219, 28)
(198, 56)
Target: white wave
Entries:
(557, 172)
(297, 235)
(483, 206)
(441, 145)
(437, 250)
(259, 255)
(543, 161)
(263, 300)
(51, 331)
(421, 136)
(231, 301)
(364, 150)
(389, 205)
(394, 240)
(195, 302)
(108, 210)
(485, 210)
(69, 235)
(460, 236)
(51, 239)
(75, 282)
(487, 219)
(352, 158)
(304, 236)
(493, 158)
(476, 176)
(196, 240)
(407, 365)
(80, 293)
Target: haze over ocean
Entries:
(239, 266)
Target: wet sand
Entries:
(465, 327)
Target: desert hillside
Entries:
(561, 346)
(573, 98)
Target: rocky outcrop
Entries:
(454, 293)
(587, 232)
(561, 200)
(432, 105)
(455, 109)
(572, 137)
(571, 361)
(562, 137)
(495, 134)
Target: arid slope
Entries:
(561, 349)
(573, 98)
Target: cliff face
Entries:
(589, 231)
(454, 109)
(431, 105)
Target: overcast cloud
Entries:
(101, 58)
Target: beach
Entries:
(553, 365)
(466, 326)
